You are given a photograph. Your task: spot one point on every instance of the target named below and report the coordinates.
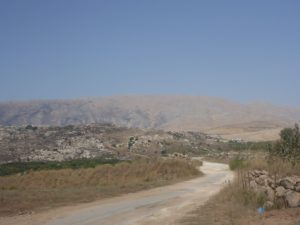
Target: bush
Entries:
(236, 164)
(255, 146)
(288, 147)
(21, 167)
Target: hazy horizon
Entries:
(240, 51)
(150, 95)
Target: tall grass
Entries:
(47, 188)
(236, 164)
(274, 165)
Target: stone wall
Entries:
(277, 189)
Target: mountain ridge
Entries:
(166, 112)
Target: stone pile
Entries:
(284, 189)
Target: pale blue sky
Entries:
(240, 50)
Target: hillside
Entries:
(26, 144)
(175, 113)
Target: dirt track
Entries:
(162, 205)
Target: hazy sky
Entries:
(240, 50)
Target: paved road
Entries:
(162, 205)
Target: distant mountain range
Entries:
(177, 113)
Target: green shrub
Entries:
(236, 164)
(131, 142)
(241, 146)
(22, 167)
(288, 147)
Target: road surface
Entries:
(163, 205)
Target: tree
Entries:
(288, 147)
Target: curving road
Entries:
(162, 205)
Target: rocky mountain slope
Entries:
(177, 113)
(30, 143)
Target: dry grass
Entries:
(233, 206)
(223, 209)
(275, 166)
(46, 189)
(236, 204)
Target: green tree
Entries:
(288, 147)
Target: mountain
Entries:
(175, 113)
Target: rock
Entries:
(261, 190)
(286, 190)
(293, 199)
(261, 180)
(297, 179)
(288, 183)
(264, 177)
(268, 205)
(272, 185)
(270, 193)
(252, 174)
(260, 172)
(270, 182)
(257, 173)
(280, 191)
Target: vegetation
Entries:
(255, 146)
(283, 158)
(236, 163)
(131, 142)
(21, 167)
(237, 203)
(42, 189)
(177, 146)
(237, 206)
(288, 147)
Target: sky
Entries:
(240, 50)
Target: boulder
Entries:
(261, 190)
(262, 180)
(270, 193)
(252, 174)
(270, 182)
(273, 185)
(288, 183)
(297, 179)
(297, 187)
(293, 199)
(280, 191)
